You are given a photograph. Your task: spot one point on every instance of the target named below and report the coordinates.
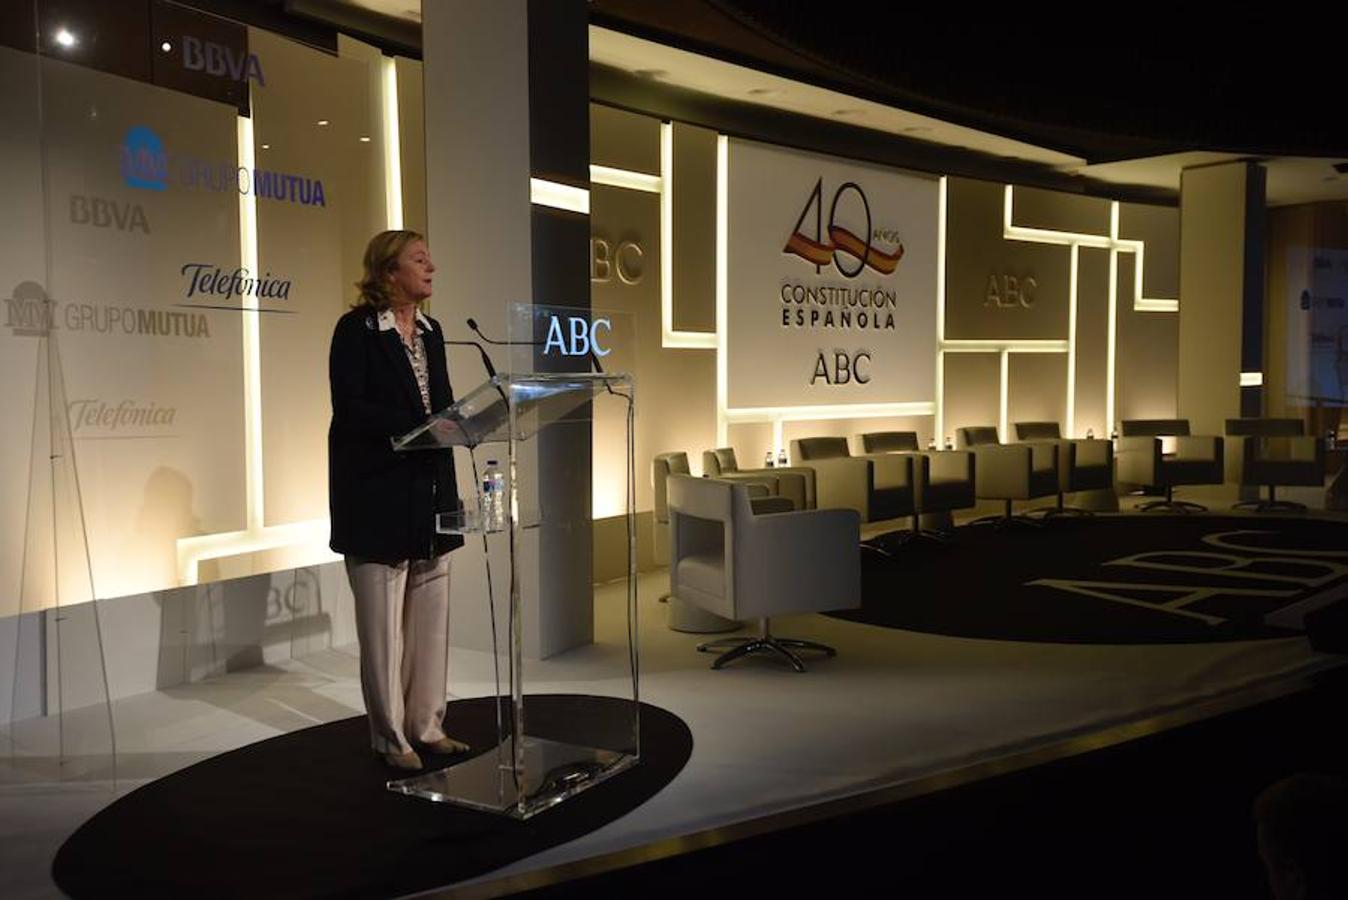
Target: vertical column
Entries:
(506, 100)
(1221, 292)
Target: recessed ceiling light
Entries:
(266, 146)
(65, 38)
(916, 129)
(322, 122)
(650, 73)
(763, 92)
(365, 139)
(845, 113)
(166, 46)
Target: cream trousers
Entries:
(402, 621)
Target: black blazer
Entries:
(383, 503)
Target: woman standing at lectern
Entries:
(388, 373)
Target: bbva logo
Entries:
(102, 213)
(578, 338)
(217, 59)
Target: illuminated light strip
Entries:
(1140, 303)
(1157, 305)
(194, 550)
(990, 346)
(743, 414)
(393, 166)
(1003, 393)
(938, 426)
(670, 339)
(252, 342)
(626, 178)
(1251, 379)
(1112, 326)
(722, 285)
(1074, 263)
(559, 196)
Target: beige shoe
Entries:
(408, 760)
(446, 746)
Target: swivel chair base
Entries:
(1061, 509)
(765, 643)
(1272, 504)
(1170, 504)
(1008, 519)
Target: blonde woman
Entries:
(388, 373)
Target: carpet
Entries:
(306, 814)
(1131, 579)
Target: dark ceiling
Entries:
(1099, 81)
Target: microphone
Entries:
(486, 360)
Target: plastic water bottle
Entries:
(931, 443)
(767, 460)
(949, 442)
(493, 497)
(781, 457)
(1090, 434)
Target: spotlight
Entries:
(65, 38)
(365, 139)
(166, 46)
(322, 122)
(266, 146)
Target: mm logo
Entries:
(839, 244)
(28, 312)
(144, 162)
(217, 59)
(577, 338)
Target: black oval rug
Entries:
(1129, 579)
(306, 814)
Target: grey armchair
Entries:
(1146, 460)
(878, 487)
(1273, 452)
(1083, 465)
(1009, 472)
(738, 564)
(943, 480)
(794, 483)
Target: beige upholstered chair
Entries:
(943, 480)
(664, 465)
(794, 483)
(1146, 460)
(1083, 465)
(1273, 452)
(1009, 472)
(738, 564)
(878, 487)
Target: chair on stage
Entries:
(878, 487)
(737, 563)
(1083, 464)
(1160, 453)
(1009, 472)
(1273, 452)
(794, 483)
(943, 480)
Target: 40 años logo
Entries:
(840, 243)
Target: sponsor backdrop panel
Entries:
(22, 280)
(1148, 356)
(1036, 389)
(831, 281)
(318, 208)
(1000, 289)
(1317, 327)
(142, 202)
(971, 390)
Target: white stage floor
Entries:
(894, 706)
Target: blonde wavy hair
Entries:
(381, 258)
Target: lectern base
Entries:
(555, 771)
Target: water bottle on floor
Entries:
(493, 498)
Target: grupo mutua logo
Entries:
(29, 312)
(147, 164)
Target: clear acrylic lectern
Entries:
(525, 775)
